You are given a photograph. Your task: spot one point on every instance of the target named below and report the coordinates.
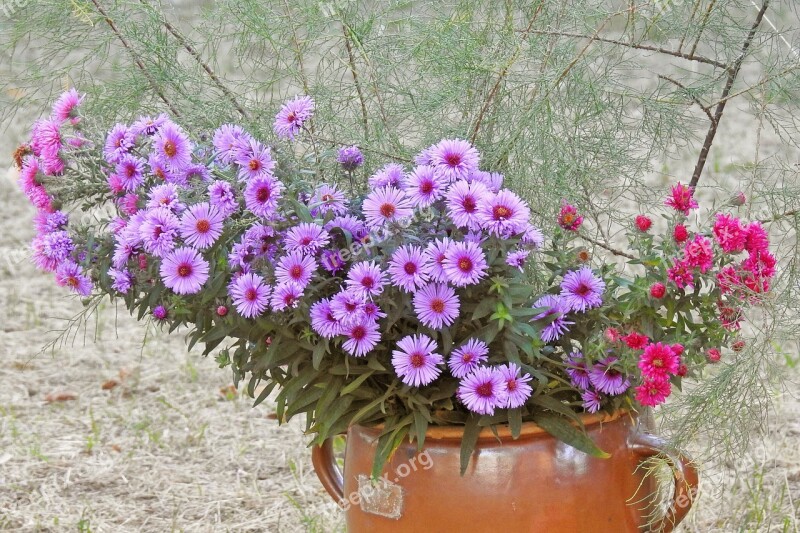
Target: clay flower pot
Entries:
(534, 483)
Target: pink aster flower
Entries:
(130, 171)
(681, 199)
(436, 252)
(372, 311)
(729, 233)
(327, 199)
(416, 361)
(462, 202)
(757, 239)
(658, 361)
(347, 307)
(250, 294)
(483, 390)
(66, 106)
(391, 175)
(158, 231)
(149, 126)
(454, 159)
(201, 225)
(568, 217)
(492, 180)
(607, 378)
(409, 268)
(699, 253)
(28, 174)
(366, 278)
(261, 196)
(555, 313)
(467, 357)
(582, 290)
(254, 161)
(294, 113)
(70, 274)
(286, 296)
(165, 195)
(306, 237)
(436, 305)
(517, 389)
(386, 205)
(184, 271)
(295, 267)
(635, 340)
(653, 392)
(46, 138)
(194, 173)
(362, 337)
(577, 370)
(323, 321)
(592, 401)
(172, 146)
(423, 186)
(680, 273)
(503, 214)
(161, 171)
(465, 264)
(119, 142)
(228, 141)
(221, 196)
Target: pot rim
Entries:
(529, 429)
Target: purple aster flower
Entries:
(165, 195)
(415, 360)
(350, 224)
(533, 236)
(306, 237)
(261, 196)
(70, 274)
(184, 271)
(386, 204)
(605, 377)
(362, 337)
(517, 258)
(123, 251)
(295, 267)
(50, 222)
(255, 161)
(160, 313)
(348, 307)
(492, 180)
(149, 126)
(350, 158)
(192, 173)
(503, 214)
(331, 260)
(286, 295)
(201, 225)
(228, 140)
(366, 279)
(436, 252)
(517, 389)
(372, 311)
(241, 255)
(159, 231)
(323, 321)
(130, 170)
(556, 307)
(294, 113)
(67, 104)
(409, 268)
(577, 371)
(116, 225)
(327, 199)
(57, 246)
(467, 357)
(591, 401)
(391, 175)
(262, 239)
(119, 142)
(172, 146)
(582, 290)
(250, 294)
(483, 390)
(436, 305)
(423, 186)
(462, 202)
(222, 197)
(161, 171)
(454, 159)
(123, 279)
(465, 264)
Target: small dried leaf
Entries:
(110, 384)
(60, 397)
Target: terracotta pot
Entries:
(534, 483)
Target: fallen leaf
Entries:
(116, 448)
(272, 416)
(60, 397)
(228, 392)
(110, 384)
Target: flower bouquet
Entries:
(423, 295)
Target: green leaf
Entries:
(420, 427)
(515, 422)
(569, 434)
(485, 307)
(468, 441)
(353, 385)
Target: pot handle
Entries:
(328, 472)
(645, 446)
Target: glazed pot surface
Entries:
(535, 483)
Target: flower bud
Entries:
(222, 310)
(681, 233)
(643, 223)
(714, 355)
(658, 290)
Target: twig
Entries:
(136, 59)
(696, 100)
(607, 247)
(192, 52)
(786, 214)
(689, 57)
(691, 19)
(297, 53)
(733, 73)
(352, 60)
(703, 25)
(502, 75)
